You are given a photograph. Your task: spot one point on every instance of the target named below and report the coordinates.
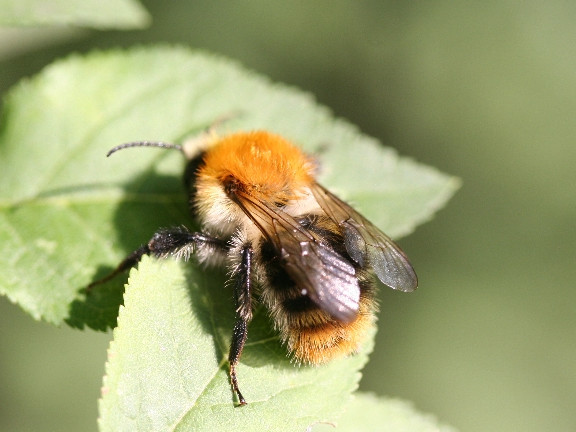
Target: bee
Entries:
(308, 256)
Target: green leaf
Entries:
(369, 413)
(68, 215)
(101, 14)
(167, 366)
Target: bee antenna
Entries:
(145, 144)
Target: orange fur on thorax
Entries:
(266, 164)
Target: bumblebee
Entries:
(303, 252)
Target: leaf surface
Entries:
(101, 14)
(369, 413)
(68, 215)
(167, 366)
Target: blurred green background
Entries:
(482, 90)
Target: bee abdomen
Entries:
(311, 334)
(320, 343)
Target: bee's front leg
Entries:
(177, 241)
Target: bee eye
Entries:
(231, 185)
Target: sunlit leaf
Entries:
(101, 14)
(167, 366)
(68, 214)
(369, 413)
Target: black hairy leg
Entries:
(242, 296)
(177, 241)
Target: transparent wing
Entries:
(325, 276)
(367, 245)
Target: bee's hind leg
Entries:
(243, 299)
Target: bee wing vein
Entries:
(367, 244)
(324, 275)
